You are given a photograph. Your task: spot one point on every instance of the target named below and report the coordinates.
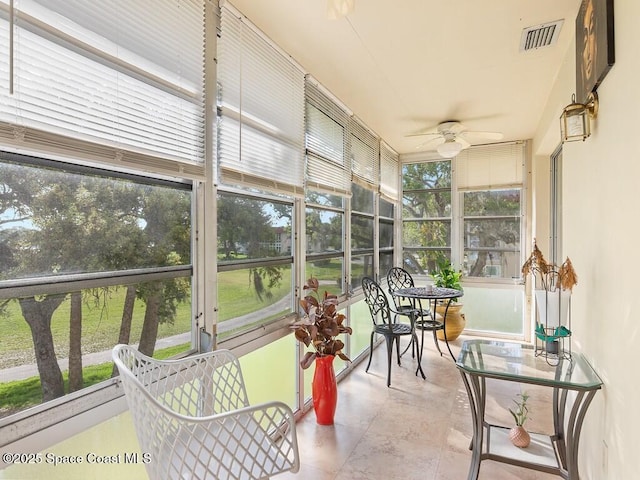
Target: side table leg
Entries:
(574, 426)
(475, 387)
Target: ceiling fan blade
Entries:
(473, 137)
(431, 144)
(424, 131)
(462, 141)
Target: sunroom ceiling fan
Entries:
(449, 138)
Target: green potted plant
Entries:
(318, 327)
(518, 434)
(445, 276)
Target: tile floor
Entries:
(415, 429)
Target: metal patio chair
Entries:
(428, 321)
(384, 323)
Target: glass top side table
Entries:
(556, 453)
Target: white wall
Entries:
(600, 235)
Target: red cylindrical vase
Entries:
(324, 390)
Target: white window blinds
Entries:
(489, 166)
(364, 155)
(115, 81)
(261, 100)
(389, 173)
(328, 166)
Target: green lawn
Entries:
(21, 394)
(100, 329)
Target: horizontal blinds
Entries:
(261, 100)
(328, 166)
(123, 75)
(488, 166)
(389, 172)
(364, 154)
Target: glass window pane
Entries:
(426, 205)
(386, 208)
(434, 233)
(329, 273)
(250, 228)
(492, 227)
(492, 263)
(495, 233)
(251, 296)
(325, 199)
(361, 323)
(492, 203)
(426, 213)
(426, 176)
(386, 262)
(361, 266)
(423, 262)
(323, 231)
(386, 234)
(494, 309)
(56, 222)
(362, 199)
(361, 232)
(258, 367)
(53, 345)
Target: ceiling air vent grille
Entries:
(540, 36)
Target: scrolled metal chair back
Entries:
(377, 301)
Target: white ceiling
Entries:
(405, 65)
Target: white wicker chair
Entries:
(194, 419)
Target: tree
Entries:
(37, 314)
(427, 203)
(165, 214)
(65, 222)
(491, 219)
(245, 228)
(75, 343)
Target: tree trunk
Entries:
(38, 316)
(127, 319)
(75, 343)
(478, 267)
(150, 326)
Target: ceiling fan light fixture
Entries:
(449, 149)
(339, 8)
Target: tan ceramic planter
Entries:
(455, 321)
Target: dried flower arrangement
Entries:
(550, 275)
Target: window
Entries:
(88, 259)
(385, 235)
(254, 262)
(492, 233)
(426, 215)
(324, 219)
(362, 235)
(490, 179)
(469, 211)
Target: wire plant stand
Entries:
(553, 328)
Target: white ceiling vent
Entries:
(540, 36)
